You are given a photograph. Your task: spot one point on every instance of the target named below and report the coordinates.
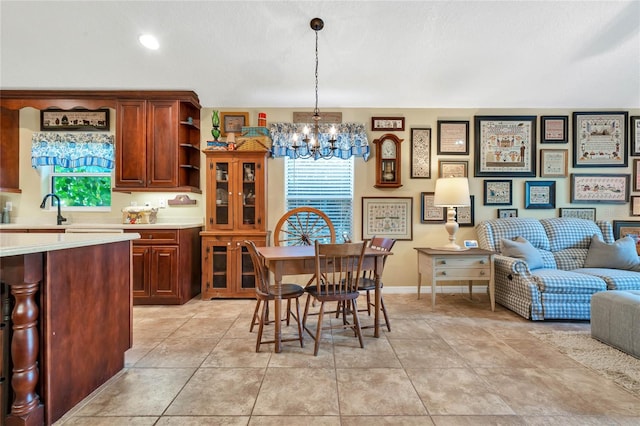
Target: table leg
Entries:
(277, 276)
(378, 296)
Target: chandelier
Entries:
(309, 146)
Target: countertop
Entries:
(13, 244)
(174, 224)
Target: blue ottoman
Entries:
(615, 319)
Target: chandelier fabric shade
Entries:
(351, 140)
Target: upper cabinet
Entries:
(157, 145)
(9, 150)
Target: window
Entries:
(324, 184)
(84, 187)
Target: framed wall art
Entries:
(497, 192)
(390, 217)
(600, 139)
(505, 146)
(634, 125)
(421, 153)
(74, 119)
(506, 213)
(449, 168)
(465, 215)
(453, 137)
(635, 205)
(540, 194)
(554, 129)
(636, 174)
(428, 212)
(622, 228)
(232, 122)
(599, 188)
(387, 123)
(588, 213)
(554, 162)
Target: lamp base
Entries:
(451, 247)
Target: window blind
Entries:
(324, 184)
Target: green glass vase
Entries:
(215, 122)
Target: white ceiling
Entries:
(374, 54)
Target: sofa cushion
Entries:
(556, 281)
(616, 279)
(491, 232)
(520, 248)
(564, 232)
(619, 255)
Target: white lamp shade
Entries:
(452, 192)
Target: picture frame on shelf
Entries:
(498, 192)
(622, 228)
(387, 124)
(588, 213)
(453, 137)
(389, 217)
(465, 216)
(600, 139)
(634, 126)
(507, 213)
(505, 146)
(232, 122)
(540, 194)
(420, 153)
(452, 168)
(428, 212)
(554, 129)
(554, 163)
(634, 205)
(78, 119)
(599, 188)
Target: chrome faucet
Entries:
(44, 202)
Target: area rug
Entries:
(616, 365)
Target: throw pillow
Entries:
(619, 255)
(522, 249)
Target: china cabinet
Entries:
(388, 161)
(236, 205)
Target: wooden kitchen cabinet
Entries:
(9, 150)
(158, 145)
(236, 205)
(165, 266)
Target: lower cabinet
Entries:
(166, 265)
(227, 270)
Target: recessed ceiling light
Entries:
(149, 41)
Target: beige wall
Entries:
(400, 269)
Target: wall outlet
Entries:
(162, 203)
(9, 205)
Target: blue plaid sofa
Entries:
(562, 288)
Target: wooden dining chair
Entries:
(337, 272)
(368, 283)
(265, 293)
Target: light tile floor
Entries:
(459, 364)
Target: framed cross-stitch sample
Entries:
(387, 123)
(465, 215)
(540, 194)
(554, 129)
(420, 153)
(506, 213)
(554, 162)
(505, 146)
(600, 139)
(622, 228)
(448, 168)
(390, 217)
(54, 119)
(636, 174)
(634, 125)
(428, 212)
(453, 137)
(599, 188)
(588, 213)
(635, 205)
(497, 192)
(232, 122)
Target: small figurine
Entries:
(248, 174)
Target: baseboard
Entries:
(426, 289)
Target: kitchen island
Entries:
(71, 319)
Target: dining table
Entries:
(300, 260)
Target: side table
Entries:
(445, 265)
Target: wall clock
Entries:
(388, 161)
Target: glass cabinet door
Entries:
(220, 180)
(248, 194)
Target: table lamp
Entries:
(452, 192)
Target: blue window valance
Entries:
(351, 139)
(72, 149)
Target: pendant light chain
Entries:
(316, 111)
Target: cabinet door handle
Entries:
(444, 262)
(229, 243)
(444, 272)
(482, 262)
(481, 272)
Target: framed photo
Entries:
(554, 129)
(554, 162)
(634, 125)
(588, 213)
(420, 153)
(465, 215)
(497, 192)
(74, 119)
(540, 194)
(635, 205)
(600, 139)
(448, 168)
(471, 243)
(453, 137)
(622, 228)
(636, 174)
(232, 122)
(506, 213)
(428, 212)
(599, 188)
(390, 217)
(505, 146)
(387, 123)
